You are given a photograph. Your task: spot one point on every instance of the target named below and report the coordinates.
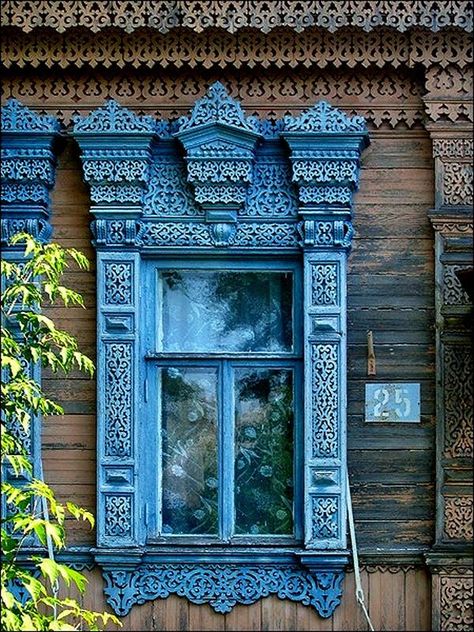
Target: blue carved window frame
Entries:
(219, 186)
(225, 361)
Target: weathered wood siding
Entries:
(390, 291)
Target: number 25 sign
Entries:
(394, 402)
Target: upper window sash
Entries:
(152, 308)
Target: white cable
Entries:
(359, 591)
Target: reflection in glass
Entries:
(263, 451)
(189, 438)
(226, 311)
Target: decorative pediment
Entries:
(115, 145)
(323, 117)
(325, 145)
(218, 107)
(16, 117)
(233, 168)
(113, 118)
(219, 142)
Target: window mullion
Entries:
(226, 452)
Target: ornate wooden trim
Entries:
(236, 15)
(449, 100)
(452, 221)
(247, 185)
(385, 100)
(182, 47)
(452, 595)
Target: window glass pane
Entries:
(226, 311)
(263, 451)
(189, 439)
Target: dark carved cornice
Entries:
(236, 15)
(215, 48)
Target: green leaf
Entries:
(49, 569)
(8, 599)
(13, 364)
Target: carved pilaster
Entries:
(449, 107)
(116, 156)
(452, 593)
(325, 147)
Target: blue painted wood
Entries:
(28, 145)
(222, 586)
(247, 194)
(28, 161)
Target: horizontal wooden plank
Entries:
(394, 361)
(69, 431)
(77, 391)
(403, 220)
(79, 407)
(387, 534)
(395, 257)
(389, 290)
(397, 152)
(391, 436)
(70, 182)
(390, 318)
(82, 243)
(385, 186)
(70, 467)
(390, 467)
(79, 533)
(374, 501)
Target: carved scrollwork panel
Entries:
(222, 586)
(217, 49)
(325, 517)
(458, 397)
(456, 601)
(201, 235)
(169, 192)
(324, 284)
(118, 399)
(453, 291)
(381, 97)
(458, 184)
(325, 400)
(458, 518)
(118, 283)
(118, 516)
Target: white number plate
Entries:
(392, 402)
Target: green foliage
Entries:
(36, 520)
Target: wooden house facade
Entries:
(346, 128)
